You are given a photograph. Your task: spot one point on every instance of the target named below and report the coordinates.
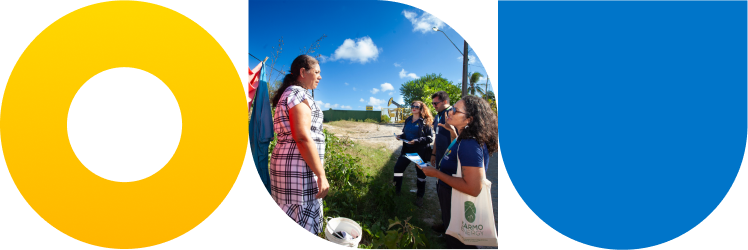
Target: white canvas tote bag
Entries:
(472, 220)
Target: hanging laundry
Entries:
(254, 81)
(260, 124)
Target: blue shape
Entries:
(623, 124)
(261, 129)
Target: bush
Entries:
(370, 120)
(385, 118)
(407, 236)
(368, 200)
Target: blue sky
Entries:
(370, 50)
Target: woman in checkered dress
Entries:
(297, 175)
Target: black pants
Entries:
(445, 202)
(403, 163)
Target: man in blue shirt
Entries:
(440, 100)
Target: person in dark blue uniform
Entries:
(476, 139)
(417, 131)
(440, 100)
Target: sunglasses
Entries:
(454, 110)
(435, 103)
(415, 107)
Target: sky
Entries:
(371, 48)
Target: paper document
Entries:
(417, 159)
(406, 141)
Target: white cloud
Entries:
(323, 105)
(404, 74)
(386, 87)
(390, 93)
(471, 59)
(397, 65)
(374, 90)
(362, 50)
(362, 100)
(424, 23)
(346, 84)
(346, 107)
(376, 102)
(482, 79)
(400, 100)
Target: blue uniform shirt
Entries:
(411, 129)
(470, 154)
(442, 138)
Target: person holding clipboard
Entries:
(416, 138)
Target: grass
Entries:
(361, 189)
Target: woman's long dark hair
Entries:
(302, 61)
(484, 128)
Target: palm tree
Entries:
(474, 78)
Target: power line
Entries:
(261, 61)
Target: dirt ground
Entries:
(377, 135)
(369, 134)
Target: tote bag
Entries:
(472, 220)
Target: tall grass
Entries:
(360, 180)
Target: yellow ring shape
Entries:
(63, 191)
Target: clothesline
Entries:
(258, 59)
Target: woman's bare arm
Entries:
(300, 117)
(471, 182)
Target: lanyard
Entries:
(448, 151)
(439, 119)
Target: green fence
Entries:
(336, 115)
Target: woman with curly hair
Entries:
(417, 131)
(477, 137)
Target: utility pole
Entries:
(486, 87)
(464, 69)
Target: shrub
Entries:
(385, 118)
(369, 120)
(407, 236)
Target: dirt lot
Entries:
(370, 134)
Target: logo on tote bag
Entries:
(470, 211)
(471, 229)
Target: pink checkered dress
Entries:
(292, 181)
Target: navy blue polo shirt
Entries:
(442, 138)
(470, 154)
(411, 129)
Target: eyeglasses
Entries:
(454, 110)
(435, 103)
(415, 107)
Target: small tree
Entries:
(422, 88)
(313, 48)
(273, 59)
(474, 78)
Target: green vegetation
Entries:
(406, 236)
(422, 88)
(385, 119)
(362, 190)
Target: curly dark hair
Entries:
(303, 61)
(484, 127)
